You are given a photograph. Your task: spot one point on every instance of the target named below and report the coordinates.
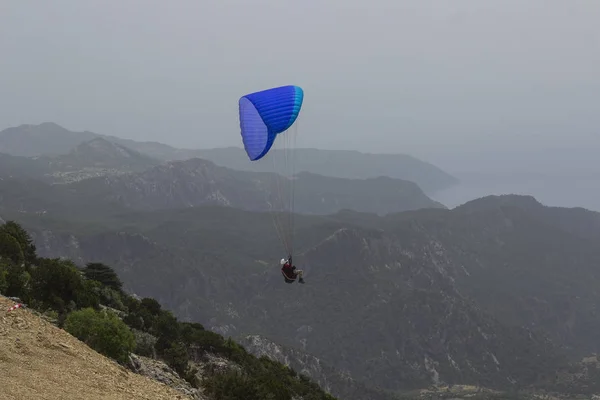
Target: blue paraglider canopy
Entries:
(265, 114)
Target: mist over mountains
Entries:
(51, 139)
(559, 188)
(402, 293)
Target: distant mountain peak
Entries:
(495, 201)
(194, 163)
(43, 129)
(51, 125)
(105, 148)
(105, 152)
(47, 138)
(97, 157)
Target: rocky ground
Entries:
(40, 361)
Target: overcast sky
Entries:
(457, 82)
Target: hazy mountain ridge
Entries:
(342, 164)
(46, 138)
(50, 138)
(96, 157)
(210, 297)
(417, 281)
(415, 328)
(100, 318)
(556, 267)
(578, 221)
(101, 156)
(198, 182)
(501, 289)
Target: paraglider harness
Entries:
(287, 270)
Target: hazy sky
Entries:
(457, 82)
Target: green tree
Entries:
(103, 331)
(176, 357)
(232, 385)
(10, 248)
(167, 330)
(142, 315)
(151, 305)
(18, 282)
(110, 297)
(57, 284)
(103, 274)
(23, 239)
(90, 295)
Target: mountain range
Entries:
(53, 140)
(101, 174)
(96, 157)
(499, 290)
(402, 294)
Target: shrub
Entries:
(144, 343)
(103, 331)
(111, 298)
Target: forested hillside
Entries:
(91, 305)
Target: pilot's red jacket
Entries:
(288, 270)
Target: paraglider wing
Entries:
(265, 114)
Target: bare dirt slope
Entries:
(40, 361)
